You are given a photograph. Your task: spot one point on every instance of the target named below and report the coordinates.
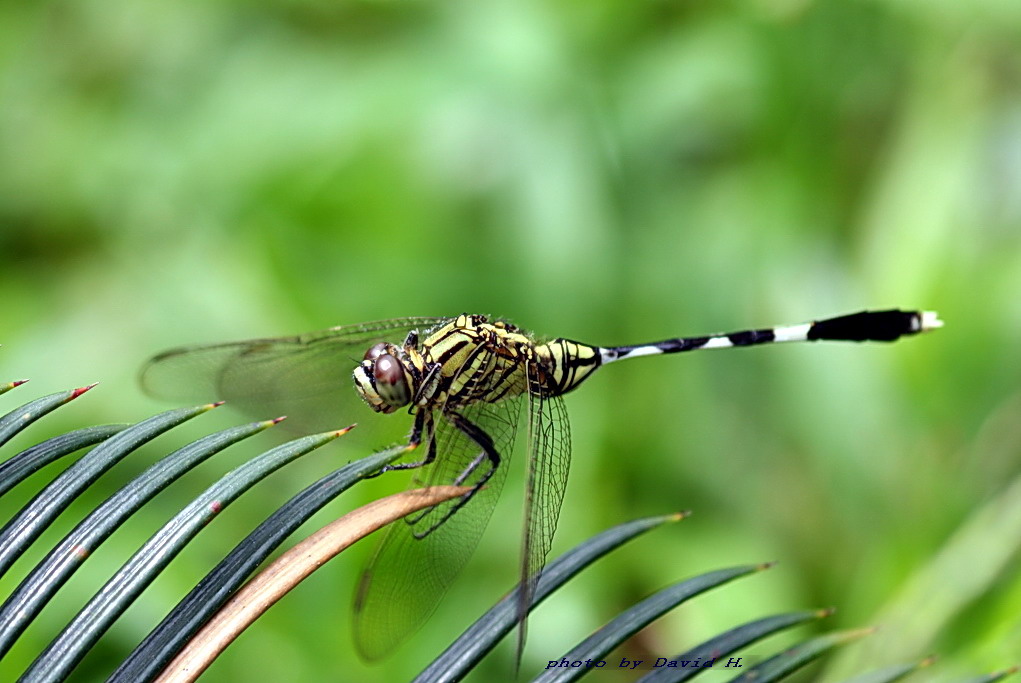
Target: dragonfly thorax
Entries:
(383, 378)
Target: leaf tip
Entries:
(79, 391)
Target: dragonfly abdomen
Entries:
(564, 365)
(864, 326)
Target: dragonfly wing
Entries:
(408, 575)
(549, 459)
(306, 377)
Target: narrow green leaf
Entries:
(634, 619)
(166, 640)
(727, 643)
(67, 556)
(67, 649)
(34, 517)
(780, 665)
(993, 677)
(482, 636)
(19, 418)
(892, 673)
(937, 593)
(18, 468)
(4, 388)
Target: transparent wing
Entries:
(408, 575)
(549, 459)
(306, 377)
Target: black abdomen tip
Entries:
(868, 326)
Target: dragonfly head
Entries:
(382, 380)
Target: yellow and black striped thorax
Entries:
(491, 361)
(468, 360)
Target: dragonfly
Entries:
(465, 381)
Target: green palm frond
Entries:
(201, 625)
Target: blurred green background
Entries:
(604, 171)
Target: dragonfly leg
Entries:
(422, 424)
(429, 384)
(467, 472)
(488, 453)
(471, 468)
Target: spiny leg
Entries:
(458, 481)
(428, 384)
(476, 377)
(467, 472)
(489, 453)
(423, 425)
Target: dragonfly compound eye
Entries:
(391, 385)
(375, 351)
(381, 382)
